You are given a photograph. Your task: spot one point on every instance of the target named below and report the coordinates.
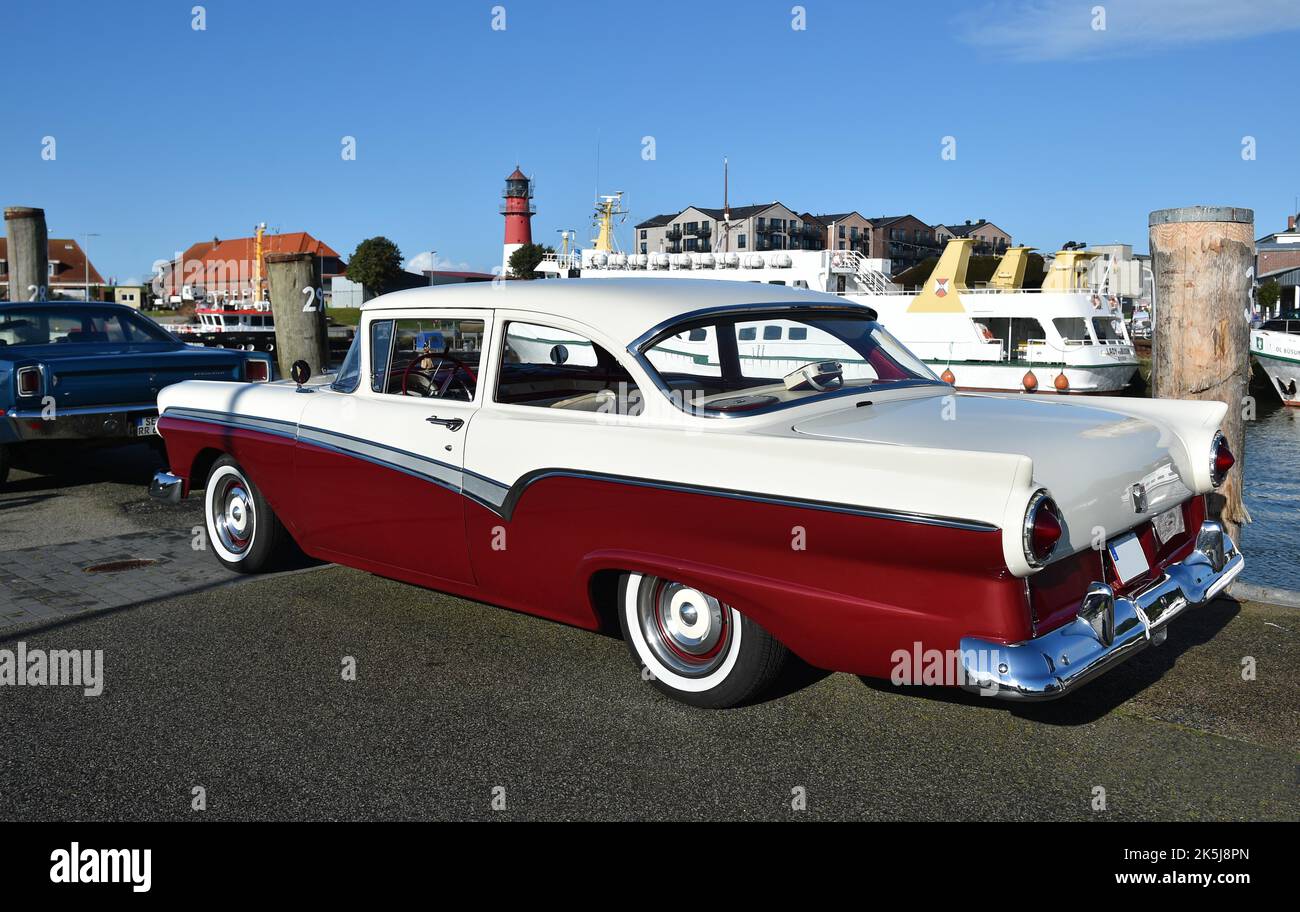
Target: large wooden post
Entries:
(29, 253)
(300, 331)
(1202, 259)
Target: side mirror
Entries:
(300, 372)
(559, 354)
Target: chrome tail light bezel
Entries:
(1041, 500)
(1220, 442)
(21, 377)
(263, 366)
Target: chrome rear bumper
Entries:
(94, 422)
(1107, 631)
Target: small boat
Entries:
(1276, 347)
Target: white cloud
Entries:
(431, 260)
(1064, 29)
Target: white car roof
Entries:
(623, 309)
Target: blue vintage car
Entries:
(74, 372)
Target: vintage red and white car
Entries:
(728, 472)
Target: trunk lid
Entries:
(86, 376)
(1088, 457)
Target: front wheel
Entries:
(693, 647)
(244, 531)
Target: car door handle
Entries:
(451, 424)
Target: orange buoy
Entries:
(948, 376)
(1030, 382)
(1062, 382)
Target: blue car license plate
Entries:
(145, 427)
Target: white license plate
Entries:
(1129, 558)
(1168, 524)
(145, 427)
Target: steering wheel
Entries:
(425, 378)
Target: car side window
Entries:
(381, 350)
(546, 367)
(429, 358)
(349, 376)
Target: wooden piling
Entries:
(1202, 257)
(300, 329)
(29, 254)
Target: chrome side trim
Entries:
(502, 499)
(1107, 630)
(516, 491)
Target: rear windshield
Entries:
(738, 362)
(76, 325)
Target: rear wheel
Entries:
(243, 530)
(692, 646)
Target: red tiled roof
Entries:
(242, 248)
(71, 259)
(226, 264)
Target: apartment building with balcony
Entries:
(904, 240)
(766, 226)
(843, 231)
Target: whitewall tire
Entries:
(243, 531)
(692, 646)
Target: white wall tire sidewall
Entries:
(661, 672)
(208, 496)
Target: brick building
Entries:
(220, 270)
(990, 240)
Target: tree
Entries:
(1267, 295)
(375, 264)
(524, 261)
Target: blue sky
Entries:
(166, 135)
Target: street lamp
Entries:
(85, 251)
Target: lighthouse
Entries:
(518, 209)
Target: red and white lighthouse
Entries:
(518, 209)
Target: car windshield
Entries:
(73, 325)
(735, 361)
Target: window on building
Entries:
(748, 334)
(643, 234)
(771, 333)
(740, 241)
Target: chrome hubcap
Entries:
(688, 630)
(234, 516)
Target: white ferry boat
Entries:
(239, 316)
(1069, 336)
(1276, 347)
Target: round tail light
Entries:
(1042, 528)
(1221, 459)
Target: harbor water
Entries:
(1271, 542)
